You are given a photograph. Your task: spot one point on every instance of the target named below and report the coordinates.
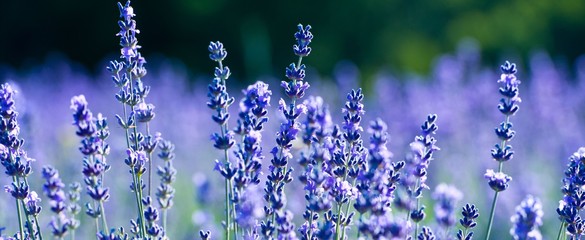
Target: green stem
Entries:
(560, 231)
(338, 221)
(227, 210)
(104, 222)
(97, 226)
(164, 219)
(38, 228)
(487, 236)
(149, 162)
(20, 224)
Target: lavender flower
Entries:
(252, 116)
(446, 198)
(498, 181)
(166, 192)
(469, 213)
(376, 182)
(219, 100)
(277, 217)
(74, 194)
(127, 76)
(426, 234)
(316, 130)
(502, 152)
(416, 165)
(16, 162)
(53, 189)
(573, 201)
(93, 133)
(527, 220)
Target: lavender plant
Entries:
(502, 152)
(219, 100)
(316, 136)
(469, 214)
(278, 219)
(416, 165)
(349, 187)
(18, 167)
(127, 76)
(527, 220)
(61, 224)
(93, 133)
(573, 201)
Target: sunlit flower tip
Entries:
(217, 52)
(527, 220)
(498, 181)
(508, 68)
(144, 112)
(78, 103)
(579, 155)
(32, 198)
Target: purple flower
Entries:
(574, 197)
(277, 218)
(303, 37)
(216, 51)
(498, 181)
(446, 198)
(469, 214)
(527, 220)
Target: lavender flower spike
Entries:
(277, 218)
(16, 162)
(219, 101)
(446, 198)
(571, 204)
(527, 220)
(502, 152)
(469, 213)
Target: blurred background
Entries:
(412, 57)
(402, 35)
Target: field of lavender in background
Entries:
(460, 89)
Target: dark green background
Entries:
(402, 35)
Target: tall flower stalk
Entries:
(315, 135)
(502, 152)
(278, 220)
(93, 133)
(166, 192)
(17, 165)
(376, 184)
(220, 100)
(127, 76)
(60, 224)
(573, 201)
(416, 167)
(348, 160)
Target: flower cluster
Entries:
(278, 219)
(416, 165)
(469, 214)
(17, 165)
(93, 133)
(573, 202)
(527, 220)
(446, 199)
(61, 224)
(219, 101)
(127, 75)
(316, 135)
(165, 192)
(502, 152)
(376, 183)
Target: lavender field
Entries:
(297, 161)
